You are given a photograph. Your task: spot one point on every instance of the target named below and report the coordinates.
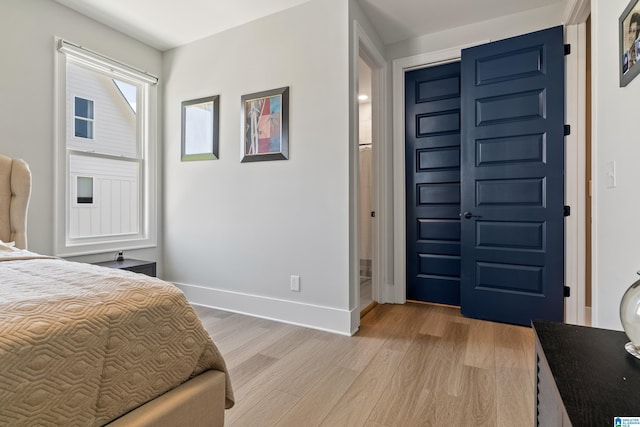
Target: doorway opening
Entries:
(365, 179)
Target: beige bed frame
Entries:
(15, 188)
(199, 402)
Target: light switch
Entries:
(611, 174)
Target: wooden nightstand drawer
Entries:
(135, 265)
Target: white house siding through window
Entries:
(115, 205)
(102, 145)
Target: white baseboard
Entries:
(301, 314)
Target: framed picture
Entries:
(265, 125)
(629, 53)
(200, 125)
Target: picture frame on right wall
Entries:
(265, 125)
(629, 43)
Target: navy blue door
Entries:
(432, 150)
(513, 179)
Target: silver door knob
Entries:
(469, 215)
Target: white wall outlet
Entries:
(295, 283)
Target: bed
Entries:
(82, 345)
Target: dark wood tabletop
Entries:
(596, 377)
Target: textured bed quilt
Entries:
(81, 345)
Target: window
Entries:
(106, 154)
(83, 123)
(84, 190)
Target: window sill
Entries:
(71, 250)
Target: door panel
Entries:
(510, 235)
(513, 179)
(513, 107)
(432, 97)
(510, 150)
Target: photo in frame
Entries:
(265, 125)
(629, 52)
(200, 128)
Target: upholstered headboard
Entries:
(15, 188)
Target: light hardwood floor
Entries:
(410, 365)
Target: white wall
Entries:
(235, 232)
(357, 14)
(616, 228)
(27, 87)
(494, 29)
(364, 123)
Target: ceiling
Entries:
(165, 24)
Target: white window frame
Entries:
(65, 192)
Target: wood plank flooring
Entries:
(409, 365)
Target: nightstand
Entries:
(585, 377)
(135, 265)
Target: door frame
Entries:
(575, 17)
(363, 46)
(575, 172)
